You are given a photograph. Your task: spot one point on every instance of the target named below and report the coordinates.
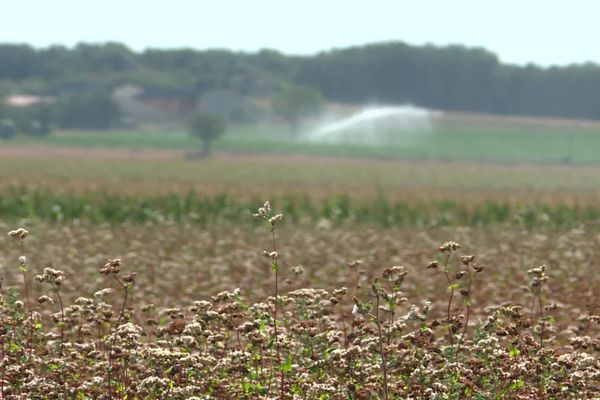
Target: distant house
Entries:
(231, 106)
(141, 106)
(27, 100)
(177, 103)
(226, 105)
(165, 107)
(26, 113)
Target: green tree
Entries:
(7, 128)
(446, 78)
(296, 103)
(88, 110)
(207, 127)
(3, 95)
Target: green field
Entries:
(505, 142)
(119, 185)
(464, 172)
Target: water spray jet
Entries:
(377, 126)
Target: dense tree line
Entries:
(448, 78)
(453, 78)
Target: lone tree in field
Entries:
(207, 127)
(296, 103)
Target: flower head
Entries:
(20, 233)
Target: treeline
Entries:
(453, 78)
(447, 78)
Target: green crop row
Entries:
(194, 207)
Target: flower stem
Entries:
(381, 349)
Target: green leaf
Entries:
(514, 352)
(287, 366)
(517, 385)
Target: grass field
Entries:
(462, 139)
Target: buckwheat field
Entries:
(118, 291)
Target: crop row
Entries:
(96, 207)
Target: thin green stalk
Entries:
(451, 287)
(277, 349)
(112, 343)
(542, 320)
(62, 322)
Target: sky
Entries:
(550, 32)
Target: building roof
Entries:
(26, 100)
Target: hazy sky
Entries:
(519, 31)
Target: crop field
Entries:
(455, 137)
(119, 185)
(151, 171)
(361, 313)
(141, 273)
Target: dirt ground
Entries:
(39, 151)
